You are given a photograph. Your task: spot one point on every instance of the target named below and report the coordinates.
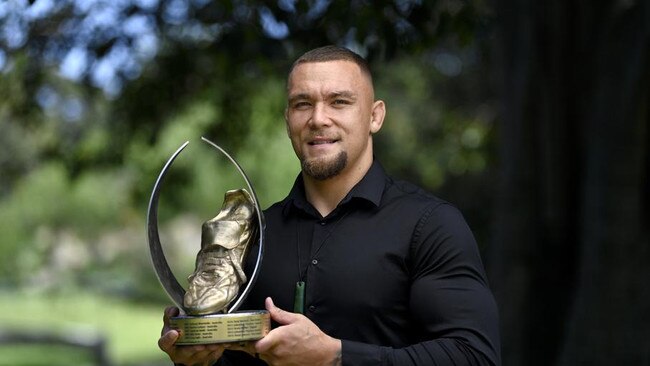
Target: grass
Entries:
(131, 330)
(28, 355)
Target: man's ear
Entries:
(377, 116)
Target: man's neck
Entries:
(326, 194)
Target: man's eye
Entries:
(341, 102)
(300, 105)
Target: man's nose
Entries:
(319, 117)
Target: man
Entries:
(392, 274)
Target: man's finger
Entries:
(167, 340)
(279, 315)
(170, 312)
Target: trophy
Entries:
(219, 283)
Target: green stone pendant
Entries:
(299, 300)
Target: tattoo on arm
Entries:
(337, 360)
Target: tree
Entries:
(153, 58)
(571, 241)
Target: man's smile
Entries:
(322, 141)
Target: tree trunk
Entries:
(570, 239)
(610, 318)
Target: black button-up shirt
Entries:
(393, 272)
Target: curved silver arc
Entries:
(261, 226)
(164, 273)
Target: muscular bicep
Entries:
(450, 297)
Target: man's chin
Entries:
(325, 168)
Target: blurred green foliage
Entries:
(81, 147)
(422, 139)
(93, 202)
(96, 95)
(437, 126)
(42, 355)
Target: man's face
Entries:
(330, 116)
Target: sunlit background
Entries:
(504, 108)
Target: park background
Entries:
(533, 117)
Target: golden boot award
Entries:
(219, 283)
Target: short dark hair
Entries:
(333, 53)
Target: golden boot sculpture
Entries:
(225, 240)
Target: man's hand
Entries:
(297, 341)
(203, 355)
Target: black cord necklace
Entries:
(299, 298)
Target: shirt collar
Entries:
(370, 188)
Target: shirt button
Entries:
(314, 261)
(323, 223)
(312, 308)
